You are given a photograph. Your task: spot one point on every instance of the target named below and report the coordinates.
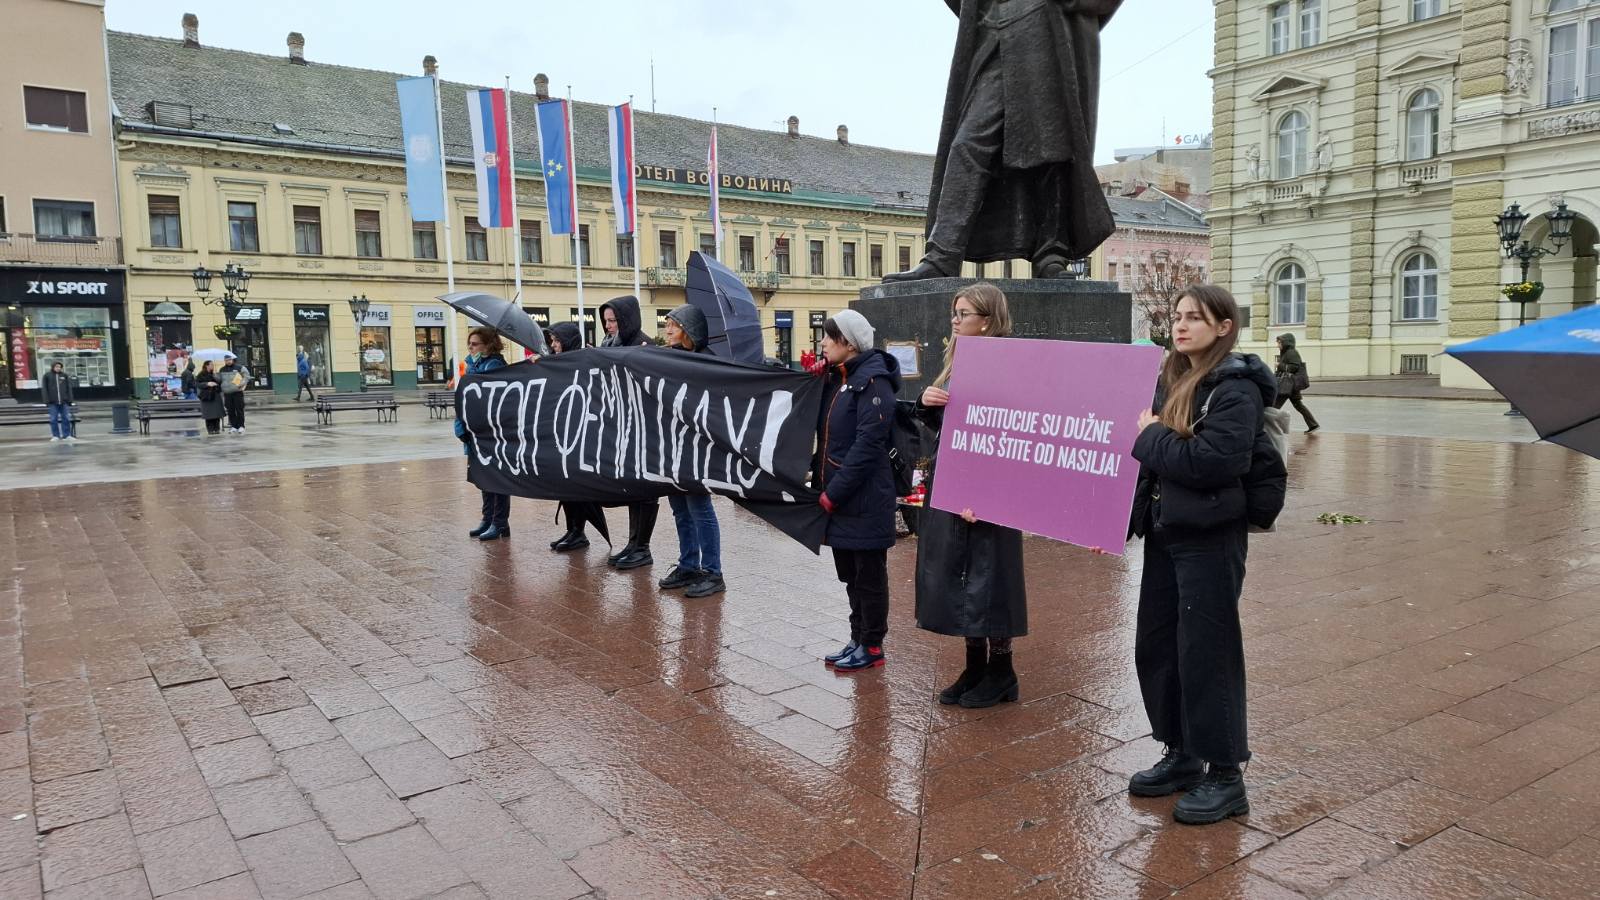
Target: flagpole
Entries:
(577, 246)
(633, 182)
(449, 256)
(516, 216)
(716, 189)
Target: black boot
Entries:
(928, 268)
(482, 527)
(1177, 771)
(977, 665)
(565, 537)
(1219, 796)
(573, 540)
(999, 684)
(633, 537)
(640, 554)
(495, 533)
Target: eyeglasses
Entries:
(961, 315)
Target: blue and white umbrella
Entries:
(1550, 371)
(210, 353)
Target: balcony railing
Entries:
(60, 250)
(1419, 174)
(667, 276)
(1292, 191)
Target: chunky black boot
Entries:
(977, 665)
(574, 540)
(495, 533)
(999, 684)
(1177, 771)
(1219, 796)
(482, 527)
(633, 537)
(566, 536)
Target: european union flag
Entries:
(555, 156)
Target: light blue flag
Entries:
(420, 127)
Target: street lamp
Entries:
(1077, 268)
(358, 310)
(1509, 224)
(235, 286)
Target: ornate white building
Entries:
(1363, 149)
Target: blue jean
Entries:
(699, 536)
(60, 420)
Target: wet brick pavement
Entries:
(309, 683)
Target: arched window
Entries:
(1419, 288)
(1289, 295)
(1422, 125)
(1293, 137)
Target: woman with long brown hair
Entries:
(1193, 509)
(969, 573)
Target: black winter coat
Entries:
(857, 415)
(969, 577)
(56, 387)
(1197, 483)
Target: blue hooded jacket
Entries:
(476, 365)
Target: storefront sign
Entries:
(373, 355)
(250, 314)
(818, 319)
(68, 288)
(669, 175)
(310, 313)
(783, 319)
(376, 317)
(57, 287)
(1192, 140)
(428, 317)
(539, 314)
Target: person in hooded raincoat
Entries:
(622, 322)
(969, 573)
(485, 353)
(857, 484)
(566, 337)
(699, 568)
(1291, 372)
(1192, 507)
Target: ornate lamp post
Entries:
(1509, 224)
(358, 310)
(235, 287)
(1077, 268)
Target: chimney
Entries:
(191, 31)
(541, 86)
(844, 135)
(430, 66)
(297, 48)
(794, 126)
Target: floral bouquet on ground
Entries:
(1523, 291)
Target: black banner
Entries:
(619, 425)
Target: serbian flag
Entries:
(623, 193)
(555, 157)
(491, 156)
(715, 177)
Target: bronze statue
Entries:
(1014, 177)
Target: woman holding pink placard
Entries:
(969, 573)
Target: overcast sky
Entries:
(878, 66)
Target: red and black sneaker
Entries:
(864, 657)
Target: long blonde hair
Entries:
(989, 301)
(1179, 376)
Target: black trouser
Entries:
(234, 404)
(865, 574)
(305, 385)
(1188, 648)
(213, 426)
(1299, 404)
(497, 509)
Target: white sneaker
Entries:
(54, 439)
(70, 439)
(241, 429)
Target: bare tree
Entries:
(1156, 285)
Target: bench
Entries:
(165, 409)
(35, 414)
(382, 401)
(439, 403)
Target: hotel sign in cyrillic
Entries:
(668, 175)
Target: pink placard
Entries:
(1037, 436)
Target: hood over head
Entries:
(626, 309)
(1286, 341)
(1250, 367)
(568, 333)
(693, 322)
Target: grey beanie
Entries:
(856, 329)
(693, 323)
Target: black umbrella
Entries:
(501, 315)
(733, 323)
(590, 513)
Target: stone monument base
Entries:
(912, 318)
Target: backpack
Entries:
(1265, 485)
(904, 441)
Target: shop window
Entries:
(56, 110)
(848, 258)
(63, 219)
(430, 355)
(818, 258)
(377, 364)
(308, 230)
(369, 233)
(667, 257)
(477, 241)
(243, 234)
(78, 337)
(165, 227)
(1419, 288)
(875, 260)
(1289, 295)
(532, 234)
(424, 240)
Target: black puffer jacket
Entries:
(626, 309)
(568, 333)
(1199, 482)
(857, 415)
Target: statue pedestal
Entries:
(912, 318)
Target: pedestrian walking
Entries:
(302, 373)
(621, 319)
(699, 568)
(1292, 379)
(485, 353)
(856, 482)
(186, 382)
(235, 379)
(208, 386)
(1192, 506)
(56, 388)
(969, 573)
(565, 337)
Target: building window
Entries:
(2, 216)
(747, 253)
(1293, 141)
(818, 260)
(1283, 27)
(668, 257)
(583, 244)
(708, 245)
(1425, 9)
(56, 110)
(1573, 72)
(307, 230)
(1289, 295)
(875, 260)
(477, 240)
(1419, 288)
(780, 255)
(849, 256)
(63, 219)
(1310, 22)
(424, 240)
(165, 228)
(532, 241)
(369, 233)
(624, 251)
(1278, 40)
(243, 235)
(1422, 125)
(904, 259)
